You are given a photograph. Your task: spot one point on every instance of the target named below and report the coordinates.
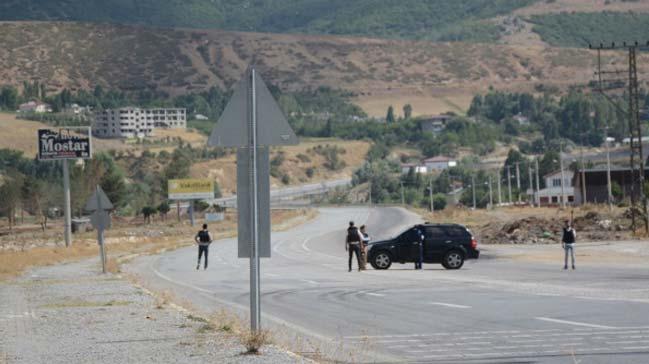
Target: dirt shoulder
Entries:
(56, 306)
(70, 313)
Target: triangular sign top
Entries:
(98, 201)
(232, 128)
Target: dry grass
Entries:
(223, 170)
(254, 340)
(373, 68)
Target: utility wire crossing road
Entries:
(491, 310)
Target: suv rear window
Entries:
(456, 231)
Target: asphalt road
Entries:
(491, 311)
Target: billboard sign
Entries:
(214, 216)
(190, 189)
(64, 143)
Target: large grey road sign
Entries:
(252, 121)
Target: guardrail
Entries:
(290, 193)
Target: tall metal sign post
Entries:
(100, 206)
(252, 122)
(64, 144)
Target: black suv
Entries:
(448, 244)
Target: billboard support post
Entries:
(66, 204)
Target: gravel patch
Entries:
(73, 314)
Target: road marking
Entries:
(448, 305)
(306, 248)
(309, 281)
(574, 323)
(375, 294)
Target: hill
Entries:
(413, 19)
(432, 76)
(490, 21)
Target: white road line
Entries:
(635, 348)
(306, 248)
(573, 323)
(452, 305)
(375, 294)
(309, 281)
(628, 342)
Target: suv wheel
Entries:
(381, 260)
(453, 260)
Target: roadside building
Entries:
(435, 123)
(596, 183)
(551, 194)
(133, 122)
(418, 168)
(439, 163)
(34, 107)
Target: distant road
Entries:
(287, 193)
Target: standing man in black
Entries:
(203, 239)
(568, 243)
(353, 244)
(420, 247)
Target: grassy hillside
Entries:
(434, 77)
(413, 19)
(580, 29)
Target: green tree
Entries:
(147, 212)
(389, 118)
(163, 209)
(10, 193)
(407, 111)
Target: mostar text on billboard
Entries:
(63, 144)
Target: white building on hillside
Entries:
(551, 194)
(439, 163)
(133, 122)
(34, 106)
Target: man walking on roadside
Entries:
(353, 244)
(203, 239)
(568, 244)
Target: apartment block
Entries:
(133, 122)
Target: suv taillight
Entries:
(474, 243)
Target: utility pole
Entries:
(403, 197)
(430, 194)
(583, 173)
(608, 174)
(473, 187)
(491, 199)
(635, 131)
(370, 193)
(538, 185)
(509, 183)
(529, 170)
(500, 200)
(563, 177)
(518, 181)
